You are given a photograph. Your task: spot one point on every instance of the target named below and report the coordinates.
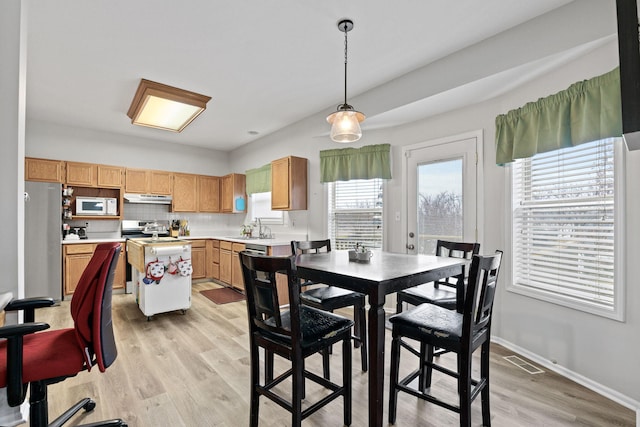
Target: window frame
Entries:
(617, 311)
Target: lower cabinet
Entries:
(229, 263)
(198, 259)
(213, 259)
(76, 257)
(225, 261)
(237, 281)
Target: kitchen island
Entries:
(162, 273)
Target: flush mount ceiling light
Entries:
(165, 107)
(345, 123)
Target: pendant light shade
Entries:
(345, 125)
(345, 122)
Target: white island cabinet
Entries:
(161, 275)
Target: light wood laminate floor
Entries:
(193, 370)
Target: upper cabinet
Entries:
(43, 170)
(233, 197)
(82, 174)
(136, 181)
(110, 176)
(208, 193)
(93, 175)
(289, 184)
(185, 192)
(145, 181)
(161, 182)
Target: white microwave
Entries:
(96, 206)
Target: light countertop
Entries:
(282, 240)
(75, 242)
(278, 241)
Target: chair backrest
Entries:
(91, 307)
(310, 246)
(480, 293)
(455, 250)
(263, 301)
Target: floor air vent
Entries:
(523, 364)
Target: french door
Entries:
(442, 182)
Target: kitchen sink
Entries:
(241, 237)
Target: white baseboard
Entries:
(605, 391)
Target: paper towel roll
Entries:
(168, 250)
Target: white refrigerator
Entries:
(42, 240)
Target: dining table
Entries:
(382, 274)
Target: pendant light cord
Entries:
(345, 63)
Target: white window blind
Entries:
(355, 213)
(564, 224)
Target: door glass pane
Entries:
(439, 203)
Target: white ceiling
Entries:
(270, 63)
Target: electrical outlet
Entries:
(397, 215)
(86, 224)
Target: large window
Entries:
(355, 213)
(567, 221)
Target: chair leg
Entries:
(362, 331)
(464, 387)
(484, 374)
(255, 381)
(393, 378)
(426, 370)
(268, 366)
(297, 379)
(326, 371)
(346, 380)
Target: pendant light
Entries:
(345, 122)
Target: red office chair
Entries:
(40, 359)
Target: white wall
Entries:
(53, 141)
(12, 125)
(598, 349)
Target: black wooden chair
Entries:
(32, 355)
(294, 334)
(442, 292)
(459, 332)
(331, 298)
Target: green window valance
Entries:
(368, 162)
(587, 111)
(258, 180)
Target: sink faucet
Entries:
(259, 227)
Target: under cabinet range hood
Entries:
(147, 198)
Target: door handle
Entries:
(410, 247)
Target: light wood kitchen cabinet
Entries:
(225, 261)
(237, 281)
(76, 257)
(110, 176)
(213, 259)
(94, 175)
(146, 181)
(233, 190)
(289, 184)
(185, 193)
(198, 259)
(161, 182)
(208, 193)
(81, 174)
(136, 181)
(43, 170)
